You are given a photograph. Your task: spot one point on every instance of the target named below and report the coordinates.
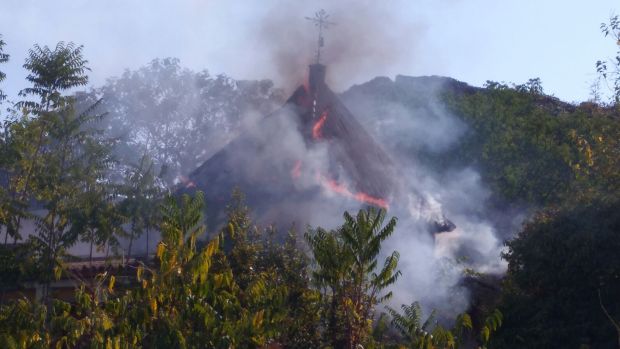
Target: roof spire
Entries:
(320, 20)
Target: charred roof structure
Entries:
(354, 167)
(293, 160)
(324, 117)
(357, 167)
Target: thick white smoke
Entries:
(432, 265)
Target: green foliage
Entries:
(609, 70)
(142, 191)
(98, 218)
(27, 140)
(430, 335)
(74, 163)
(532, 148)
(557, 265)
(17, 266)
(410, 324)
(14, 148)
(55, 161)
(22, 325)
(188, 299)
(51, 72)
(3, 59)
(347, 274)
(256, 257)
(491, 324)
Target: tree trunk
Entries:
(133, 225)
(609, 317)
(130, 244)
(146, 254)
(6, 237)
(92, 238)
(339, 336)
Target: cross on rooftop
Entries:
(320, 20)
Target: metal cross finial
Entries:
(320, 20)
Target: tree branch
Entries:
(611, 319)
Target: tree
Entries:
(176, 116)
(10, 156)
(98, 217)
(65, 160)
(51, 73)
(181, 301)
(533, 149)
(142, 193)
(3, 59)
(300, 328)
(259, 256)
(346, 273)
(9, 207)
(190, 301)
(610, 70)
(557, 266)
(75, 161)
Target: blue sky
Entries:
(470, 40)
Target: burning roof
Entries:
(261, 162)
(324, 118)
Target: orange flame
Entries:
(296, 170)
(188, 183)
(363, 197)
(336, 187)
(318, 126)
(359, 196)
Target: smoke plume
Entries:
(367, 39)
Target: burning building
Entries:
(311, 150)
(305, 161)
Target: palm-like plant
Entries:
(430, 335)
(410, 324)
(424, 334)
(51, 72)
(347, 263)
